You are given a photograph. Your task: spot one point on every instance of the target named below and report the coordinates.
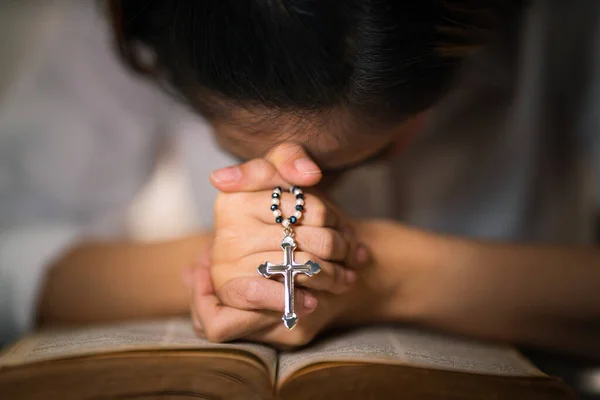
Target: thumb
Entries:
(286, 164)
(294, 165)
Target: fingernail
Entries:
(310, 302)
(362, 254)
(350, 276)
(227, 175)
(306, 166)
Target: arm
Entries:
(69, 168)
(96, 282)
(543, 296)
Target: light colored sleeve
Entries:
(24, 251)
(79, 137)
(25, 254)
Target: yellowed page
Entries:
(405, 346)
(168, 334)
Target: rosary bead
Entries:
(276, 198)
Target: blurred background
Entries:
(166, 206)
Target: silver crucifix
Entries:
(289, 269)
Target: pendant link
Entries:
(288, 232)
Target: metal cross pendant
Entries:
(289, 269)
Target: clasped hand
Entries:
(230, 300)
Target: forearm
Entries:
(97, 282)
(533, 295)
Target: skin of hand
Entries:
(247, 236)
(378, 295)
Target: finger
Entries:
(197, 325)
(276, 338)
(257, 293)
(283, 166)
(294, 165)
(280, 338)
(254, 175)
(310, 211)
(357, 254)
(325, 243)
(221, 323)
(332, 277)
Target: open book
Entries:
(165, 360)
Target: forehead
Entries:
(332, 141)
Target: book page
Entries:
(406, 346)
(171, 334)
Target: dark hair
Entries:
(382, 58)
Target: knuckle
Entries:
(225, 235)
(265, 170)
(227, 293)
(227, 203)
(337, 282)
(259, 172)
(318, 213)
(323, 243)
(220, 205)
(237, 294)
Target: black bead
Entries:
(293, 189)
(299, 207)
(293, 220)
(275, 195)
(274, 207)
(279, 219)
(300, 196)
(279, 188)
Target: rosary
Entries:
(289, 268)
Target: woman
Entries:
(318, 88)
(348, 82)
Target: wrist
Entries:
(458, 287)
(411, 273)
(400, 257)
(406, 261)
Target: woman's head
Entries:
(339, 75)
